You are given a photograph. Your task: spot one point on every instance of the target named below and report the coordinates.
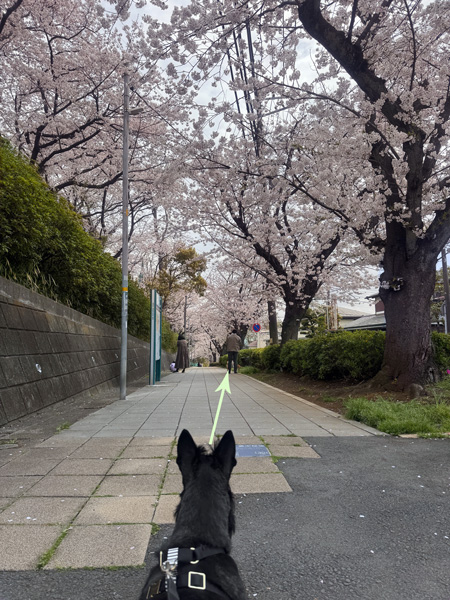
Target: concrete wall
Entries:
(49, 352)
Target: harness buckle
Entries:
(194, 562)
(196, 581)
(170, 565)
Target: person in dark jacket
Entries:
(182, 359)
(233, 347)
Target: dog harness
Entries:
(178, 573)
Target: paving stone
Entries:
(129, 509)
(172, 467)
(58, 453)
(284, 440)
(139, 466)
(99, 546)
(146, 452)
(42, 511)
(25, 545)
(103, 450)
(129, 485)
(246, 439)
(165, 509)
(65, 485)
(15, 486)
(5, 501)
(57, 441)
(173, 484)
(261, 483)
(157, 434)
(293, 452)
(27, 465)
(83, 466)
(112, 433)
(255, 465)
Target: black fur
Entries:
(205, 516)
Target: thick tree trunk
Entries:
(273, 326)
(295, 312)
(407, 301)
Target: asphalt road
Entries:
(370, 519)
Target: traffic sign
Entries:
(256, 327)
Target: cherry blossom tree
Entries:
(62, 106)
(373, 149)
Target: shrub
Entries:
(43, 246)
(341, 355)
(169, 337)
(441, 350)
(270, 358)
(223, 360)
(245, 357)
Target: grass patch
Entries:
(63, 426)
(327, 398)
(248, 370)
(397, 418)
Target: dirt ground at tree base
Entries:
(328, 394)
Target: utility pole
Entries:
(446, 289)
(124, 328)
(185, 310)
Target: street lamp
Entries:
(124, 320)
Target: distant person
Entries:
(233, 347)
(182, 359)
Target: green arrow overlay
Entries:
(223, 387)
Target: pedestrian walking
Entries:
(233, 347)
(182, 359)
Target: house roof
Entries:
(349, 313)
(372, 322)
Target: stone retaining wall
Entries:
(49, 352)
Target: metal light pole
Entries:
(123, 343)
(446, 289)
(185, 309)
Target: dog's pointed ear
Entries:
(186, 451)
(225, 452)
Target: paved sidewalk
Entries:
(92, 495)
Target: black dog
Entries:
(195, 563)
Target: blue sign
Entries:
(251, 450)
(256, 327)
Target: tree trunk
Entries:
(295, 311)
(242, 333)
(273, 326)
(406, 293)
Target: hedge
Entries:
(356, 355)
(44, 246)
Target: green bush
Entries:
(169, 338)
(270, 358)
(43, 246)
(223, 360)
(245, 357)
(341, 355)
(441, 350)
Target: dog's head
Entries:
(190, 456)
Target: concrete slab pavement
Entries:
(111, 477)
